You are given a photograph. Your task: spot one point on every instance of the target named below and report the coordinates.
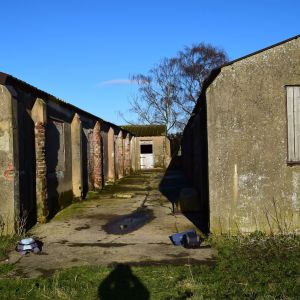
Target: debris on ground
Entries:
(28, 245)
(187, 239)
(123, 195)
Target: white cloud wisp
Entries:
(117, 82)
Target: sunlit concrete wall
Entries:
(161, 150)
(238, 136)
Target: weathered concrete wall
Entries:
(127, 154)
(27, 163)
(251, 185)
(111, 154)
(161, 150)
(194, 159)
(120, 155)
(76, 147)
(247, 143)
(133, 156)
(9, 183)
(104, 155)
(39, 116)
(58, 153)
(59, 156)
(167, 152)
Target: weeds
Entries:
(6, 244)
(255, 266)
(278, 217)
(20, 224)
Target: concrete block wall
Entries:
(9, 192)
(161, 151)
(51, 152)
(235, 144)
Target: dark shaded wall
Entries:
(195, 157)
(26, 162)
(21, 98)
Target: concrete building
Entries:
(52, 152)
(151, 147)
(241, 147)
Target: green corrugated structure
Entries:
(146, 130)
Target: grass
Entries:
(7, 243)
(247, 267)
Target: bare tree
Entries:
(169, 92)
(195, 64)
(157, 94)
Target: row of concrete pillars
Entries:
(39, 116)
(45, 162)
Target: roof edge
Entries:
(215, 72)
(7, 79)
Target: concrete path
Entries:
(129, 222)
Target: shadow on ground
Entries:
(121, 283)
(170, 186)
(129, 223)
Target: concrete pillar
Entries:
(76, 144)
(9, 179)
(98, 170)
(133, 154)
(111, 154)
(127, 155)
(167, 152)
(90, 158)
(39, 116)
(120, 155)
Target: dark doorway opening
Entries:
(146, 149)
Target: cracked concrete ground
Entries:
(129, 222)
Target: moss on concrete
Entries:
(65, 199)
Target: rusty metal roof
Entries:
(147, 130)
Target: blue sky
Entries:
(84, 51)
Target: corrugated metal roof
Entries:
(6, 79)
(147, 130)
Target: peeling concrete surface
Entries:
(78, 235)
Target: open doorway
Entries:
(146, 155)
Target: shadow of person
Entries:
(121, 283)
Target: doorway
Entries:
(146, 155)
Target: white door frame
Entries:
(146, 159)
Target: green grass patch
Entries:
(251, 267)
(6, 244)
(75, 209)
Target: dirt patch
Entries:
(62, 242)
(99, 216)
(102, 245)
(180, 254)
(171, 262)
(134, 180)
(85, 226)
(74, 260)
